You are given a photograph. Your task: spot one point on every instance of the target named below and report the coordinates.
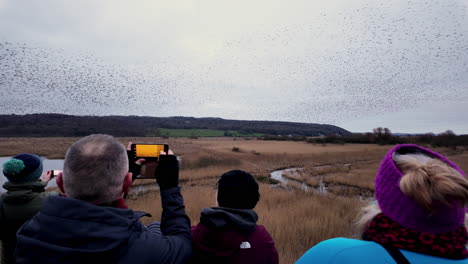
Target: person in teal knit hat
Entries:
(23, 199)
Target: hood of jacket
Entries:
(67, 230)
(222, 230)
(21, 193)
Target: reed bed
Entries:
(297, 220)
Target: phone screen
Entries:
(149, 151)
(56, 172)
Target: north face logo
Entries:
(245, 245)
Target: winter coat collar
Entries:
(36, 186)
(69, 208)
(222, 230)
(72, 229)
(19, 193)
(222, 218)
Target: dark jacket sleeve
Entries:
(175, 243)
(174, 221)
(175, 226)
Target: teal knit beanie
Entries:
(23, 168)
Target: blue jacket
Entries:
(344, 250)
(67, 230)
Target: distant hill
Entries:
(60, 125)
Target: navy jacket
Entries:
(72, 231)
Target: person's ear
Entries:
(127, 183)
(59, 181)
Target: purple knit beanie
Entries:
(405, 210)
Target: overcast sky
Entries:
(356, 64)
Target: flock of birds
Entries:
(376, 58)
(38, 79)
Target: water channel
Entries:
(278, 175)
(322, 187)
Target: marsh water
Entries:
(278, 175)
(283, 176)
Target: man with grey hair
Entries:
(93, 225)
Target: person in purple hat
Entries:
(229, 232)
(418, 216)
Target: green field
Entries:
(168, 132)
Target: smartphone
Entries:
(54, 173)
(149, 152)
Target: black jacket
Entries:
(72, 231)
(19, 204)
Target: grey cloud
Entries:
(324, 61)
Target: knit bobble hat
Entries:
(238, 189)
(405, 210)
(23, 168)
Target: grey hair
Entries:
(95, 168)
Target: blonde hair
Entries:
(425, 180)
(365, 217)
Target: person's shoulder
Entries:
(260, 228)
(262, 233)
(345, 250)
(415, 257)
(47, 194)
(341, 244)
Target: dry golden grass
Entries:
(280, 147)
(360, 175)
(47, 147)
(461, 160)
(297, 220)
(56, 147)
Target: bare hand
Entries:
(46, 177)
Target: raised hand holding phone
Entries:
(134, 163)
(143, 159)
(167, 171)
(47, 176)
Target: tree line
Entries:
(60, 125)
(384, 136)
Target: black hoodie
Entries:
(227, 235)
